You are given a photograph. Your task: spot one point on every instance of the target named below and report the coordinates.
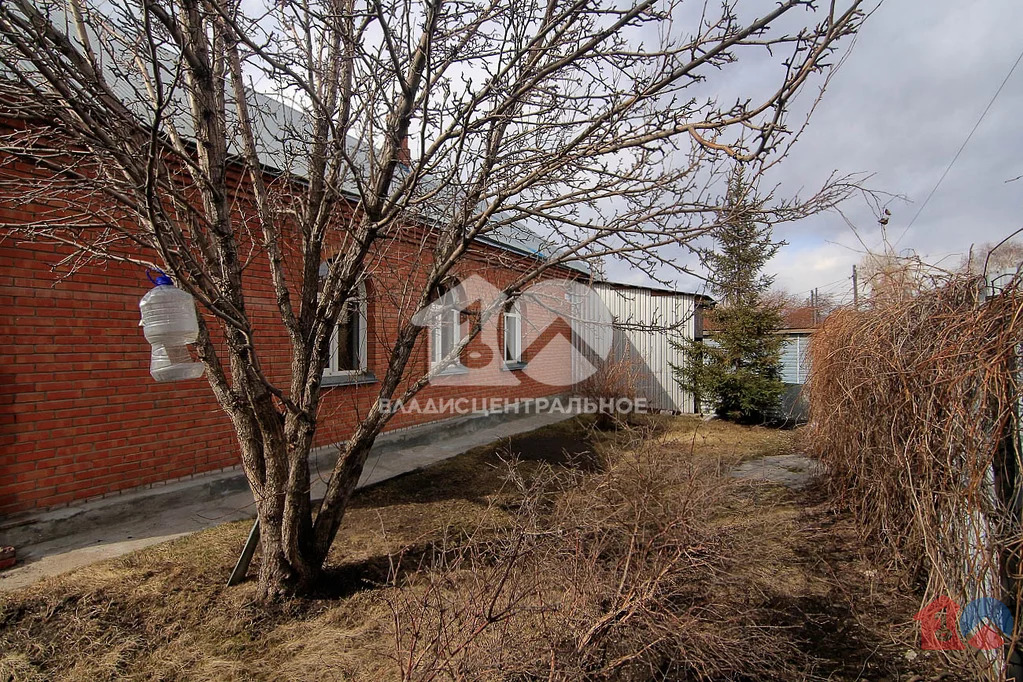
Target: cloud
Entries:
(907, 96)
(828, 266)
(910, 92)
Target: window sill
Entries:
(351, 379)
(513, 366)
(453, 369)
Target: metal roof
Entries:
(656, 289)
(279, 128)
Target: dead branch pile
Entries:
(912, 406)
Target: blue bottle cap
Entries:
(162, 280)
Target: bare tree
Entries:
(891, 276)
(992, 258)
(208, 137)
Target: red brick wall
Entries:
(81, 417)
(80, 414)
(343, 406)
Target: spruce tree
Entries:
(737, 368)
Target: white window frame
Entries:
(331, 370)
(437, 350)
(515, 347)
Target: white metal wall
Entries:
(645, 324)
(794, 360)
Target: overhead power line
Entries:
(962, 147)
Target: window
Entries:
(348, 344)
(512, 335)
(446, 326)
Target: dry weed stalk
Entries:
(913, 406)
(616, 377)
(601, 577)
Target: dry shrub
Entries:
(616, 377)
(654, 565)
(612, 576)
(912, 405)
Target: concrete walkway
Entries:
(96, 531)
(792, 470)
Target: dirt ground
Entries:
(792, 578)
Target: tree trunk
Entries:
(279, 577)
(288, 565)
(339, 492)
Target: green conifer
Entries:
(736, 369)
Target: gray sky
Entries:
(914, 85)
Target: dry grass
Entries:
(912, 403)
(625, 555)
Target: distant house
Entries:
(800, 324)
(794, 366)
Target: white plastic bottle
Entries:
(170, 324)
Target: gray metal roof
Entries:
(519, 238)
(657, 289)
(279, 128)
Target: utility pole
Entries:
(856, 291)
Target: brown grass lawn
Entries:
(739, 580)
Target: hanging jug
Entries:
(169, 322)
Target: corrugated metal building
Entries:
(794, 360)
(800, 324)
(646, 323)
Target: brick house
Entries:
(82, 418)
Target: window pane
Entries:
(512, 338)
(447, 335)
(435, 354)
(355, 341)
(348, 345)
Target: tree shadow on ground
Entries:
(481, 472)
(475, 476)
(348, 578)
(860, 627)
